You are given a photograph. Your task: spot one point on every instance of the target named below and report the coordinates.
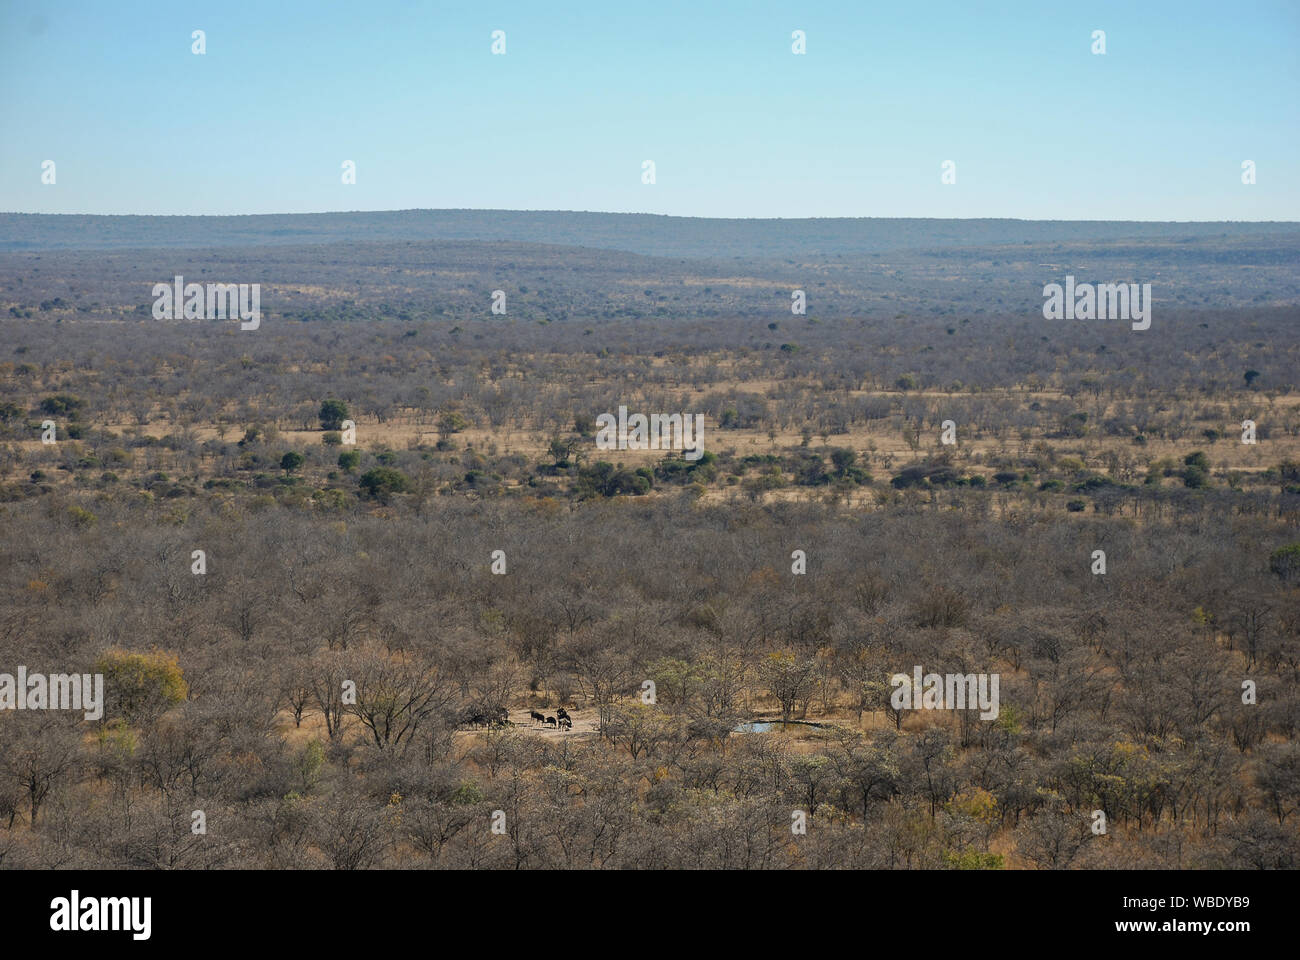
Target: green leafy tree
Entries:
(382, 482)
(309, 763)
(332, 414)
(1285, 562)
(843, 459)
(450, 422)
(60, 404)
(140, 687)
(603, 479)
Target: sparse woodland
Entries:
(372, 563)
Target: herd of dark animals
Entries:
(561, 720)
(500, 717)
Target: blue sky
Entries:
(737, 125)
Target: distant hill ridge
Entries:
(649, 234)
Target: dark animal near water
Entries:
(534, 715)
(562, 714)
(566, 723)
(550, 721)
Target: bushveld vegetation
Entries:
(373, 562)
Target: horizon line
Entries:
(618, 213)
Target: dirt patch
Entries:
(585, 722)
